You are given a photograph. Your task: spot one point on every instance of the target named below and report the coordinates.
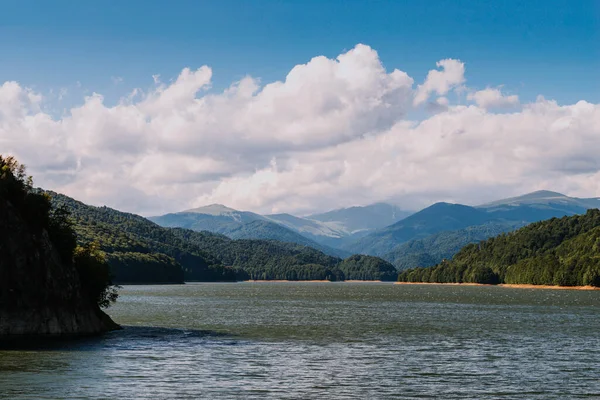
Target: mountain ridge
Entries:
(560, 251)
(326, 235)
(443, 220)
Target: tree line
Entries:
(89, 262)
(560, 251)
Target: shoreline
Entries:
(308, 281)
(505, 285)
(281, 281)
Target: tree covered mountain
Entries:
(438, 231)
(361, 267)
(215, 218)
(268, 230)
(132, 242)
(137, 247)
(436, 218)
(265, 259)
(139, 250)
(434, 248)
(560, 251)
(327, 231)
(236, 224)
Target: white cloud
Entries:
(333, 133)
(465, 154)
(16, 102)
(493, 98)
(452, 75)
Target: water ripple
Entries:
(322, 341)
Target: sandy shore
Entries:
(442, 284)
(506, 285)
(524, 286)
(281, 280)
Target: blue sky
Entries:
(533, 47)
(439, 104)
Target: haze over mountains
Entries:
(235, 224)
(326, 232)
(398, 236)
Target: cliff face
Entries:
(40, 295)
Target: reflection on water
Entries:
(313, 340)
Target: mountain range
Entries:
(235, 224)
(140, 251)
(403, 238)
(326, 232)
(439, 231)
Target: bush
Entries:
(94, 274)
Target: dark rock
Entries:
(39, 294)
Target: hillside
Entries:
(360, 267)
(267, 230)
(327, 232)
(362, 218)
(139, 250)
(561, 251)
(131, 241)
(436, 218)
(215, 218)
(235, 224)
(545, 199)
(433, 249)
(331, 234)
(265, 259)
(504, 214)
(275, 260)
(48, 285)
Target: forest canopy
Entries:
(16, 187)
(560, 251)
(140, 251)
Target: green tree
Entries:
(94, 274)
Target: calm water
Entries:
(324, 340)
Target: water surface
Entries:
(324, 340)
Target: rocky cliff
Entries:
(39, 294)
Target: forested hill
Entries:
(49, 286)
(563, 251)
(432, 249)
(264, 259)
(270, 259)
(139, 250)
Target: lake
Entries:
(324, 340)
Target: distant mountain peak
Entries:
(542, 197)
(212, 209)
(544, 193)
(442, 204)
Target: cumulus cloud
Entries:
(440, 82)
(334, 133)
(465, 154)
(493, 98)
